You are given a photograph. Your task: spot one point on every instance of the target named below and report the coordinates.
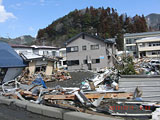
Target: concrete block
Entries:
(22, 104)
(77, 116)
(35, 108)
(85, 116)
(96, 117)
(52, 112)
(6, 101)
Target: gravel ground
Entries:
(77, 78)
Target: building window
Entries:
(94, 61)
(84, 61)
(72, 62)
(53, 53)
(45, 52)
(64, 63)
(84, 47)
(72, 49)
(83, 36)
(94, 47)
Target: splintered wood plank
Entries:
(89, 96)
(109, 95)
(59, 97)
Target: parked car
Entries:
(154, 62)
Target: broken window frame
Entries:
(95, 61)
(72, 49)
(95, 47)
(84, 47)
(73, 62)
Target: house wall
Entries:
(47, 52)
(49, 68)
(32, 67)
(81, 55)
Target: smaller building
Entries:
(22, 48)
(88, 52)
(45, 50)
(148, 47)
(37, 63)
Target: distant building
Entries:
(89, 52)
(62, 62)
(43, 51)
(148, 47)
(22, 48)
(130, 40)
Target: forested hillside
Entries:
(106, 23)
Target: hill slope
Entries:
(26, 39)
(107, 23)
(153, 21)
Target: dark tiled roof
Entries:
(83, 33)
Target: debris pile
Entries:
(99, 94)
(147, 66)
(26, 78)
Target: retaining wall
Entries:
(53, 112)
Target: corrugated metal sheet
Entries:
(149, 86)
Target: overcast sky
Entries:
(26, 17)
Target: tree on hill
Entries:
(106, 23)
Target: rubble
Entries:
(147, 66)
(97, 95)
(26, 78)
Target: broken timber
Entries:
(89, 96)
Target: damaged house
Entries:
(89, 52)
(11, 64)
(38, 63)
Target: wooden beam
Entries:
(109, 95)
(59, 97)
(89, 96)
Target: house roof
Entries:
(149, 39)
(44, 47)
(19, 46)
(29, 57)
(140, 34)
(9, 58)
(83, 33)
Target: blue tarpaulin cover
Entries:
(39, 81)
(9, 58)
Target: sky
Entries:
(26, 17)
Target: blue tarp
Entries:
(39, 81)
(9, 58)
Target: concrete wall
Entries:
(82, 55)
(60, 114)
